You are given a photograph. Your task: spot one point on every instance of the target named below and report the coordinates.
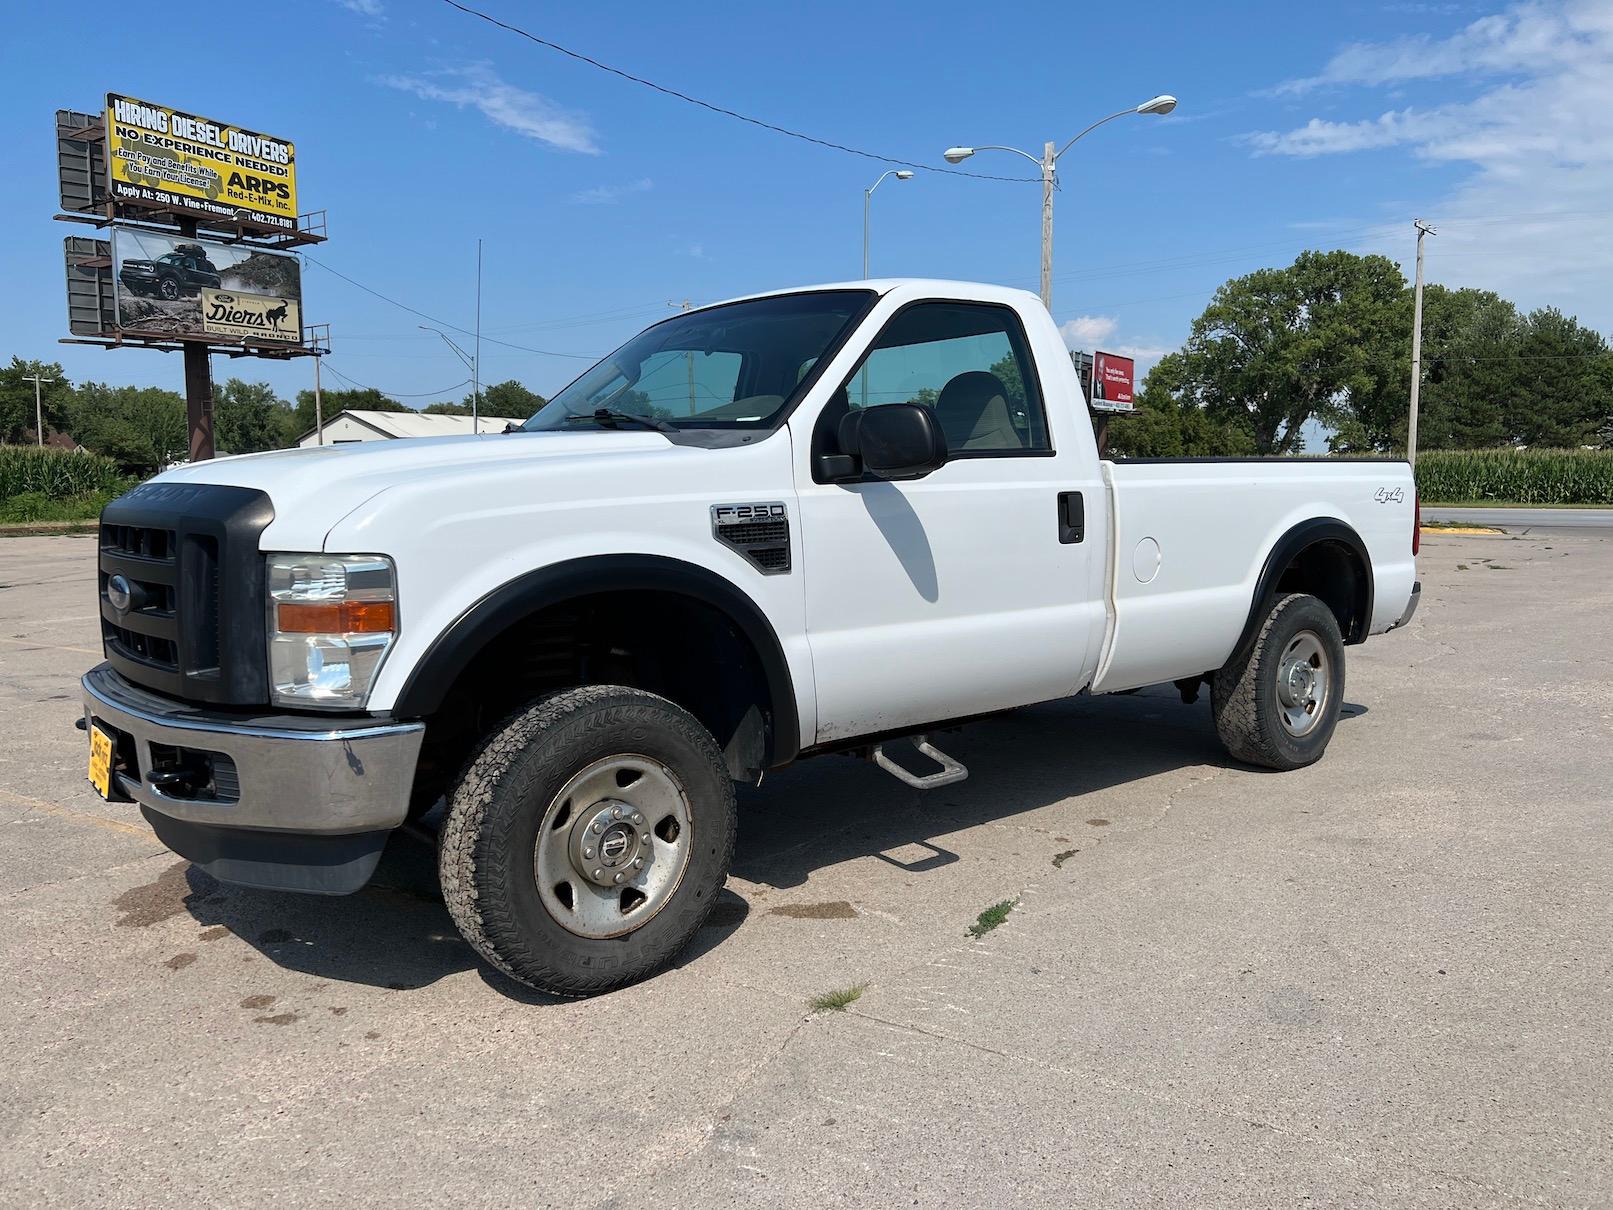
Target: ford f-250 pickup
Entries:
(804, 522)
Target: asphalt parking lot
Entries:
(1383, 980)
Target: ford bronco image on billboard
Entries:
(181, 286)
(169, 158)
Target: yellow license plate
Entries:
(100, 761)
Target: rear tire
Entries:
(1276, 701)
(623, 776)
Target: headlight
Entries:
(332, 619)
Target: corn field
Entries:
(1516, 476)
(57, 474)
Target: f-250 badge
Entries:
(1389, 495)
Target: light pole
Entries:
(1048, 163)
(901, 174)
(470, 364)
(1416, 341)
(39, 410)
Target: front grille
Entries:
(193, 626)
(148, 631)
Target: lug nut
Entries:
(621, 878)
(588, 854)
(616, 813)
(598, 874)
(638, 863)
(637, 818)
(598, 827)
(646, 838)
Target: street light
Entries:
(901, 174)
(1048, 163)
(470, 364)
(39, 411)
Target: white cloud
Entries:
(506, 105)
(609, 195)
(1529, 37)
(373, 9)
(1532, 123)
(1087, 331)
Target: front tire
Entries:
(1276, 701)
(585, 844)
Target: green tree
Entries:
(1561, 393)
(1470, 343)
(249, 417)
(510, 399)
(366, 399)
(1320, 340)
(142, 428)
(1166, 425)
(17, 399)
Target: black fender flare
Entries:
(1289, 547)
(467, 636)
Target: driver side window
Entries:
(966, 361)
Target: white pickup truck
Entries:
(804, 522)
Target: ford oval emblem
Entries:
(119, 593)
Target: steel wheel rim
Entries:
(613, 846)
(1304, 683)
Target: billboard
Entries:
(91, 307)
(180, 286)
(169, 159)
(1113, 377)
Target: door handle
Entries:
(1072, 517)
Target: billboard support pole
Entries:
(198, 385)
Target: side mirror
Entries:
(894, 440)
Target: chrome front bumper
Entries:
(287, 801)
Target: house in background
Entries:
(361, 425)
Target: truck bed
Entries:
(1190, 536)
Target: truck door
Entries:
(964, 591)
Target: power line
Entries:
(362, 386)
(455, 327)
(718, 109)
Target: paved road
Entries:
(1384, 980)
(1516, 520)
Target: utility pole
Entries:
(319, 343)
(39, 410)
(687, 357)
(1049, 168)
(319, 404)
(476, 363)
(1423, 229)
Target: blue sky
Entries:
(419, 129)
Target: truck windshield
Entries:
(736, 366)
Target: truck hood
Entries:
(313, 489)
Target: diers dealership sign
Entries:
(251, 315)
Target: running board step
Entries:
(951, 770)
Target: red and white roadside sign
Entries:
(1113, 382)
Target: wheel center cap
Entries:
(1298, 683)
(609, 843)
(616, 845)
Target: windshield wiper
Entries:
(610, 417)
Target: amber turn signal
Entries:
(332, 617)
